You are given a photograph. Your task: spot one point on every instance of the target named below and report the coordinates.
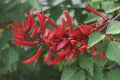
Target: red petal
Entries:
(25, 43)
(49, 56)
(71, 55)
(83, 47)
(94, 51)
(34, 31)
(69, 20)
(35, 57)
(41, 21)
(96, 12)
(52, 34)
(62, 29)
(56, 60)
(30, 20)
(102, 56)
(65, 52)
(19, 37)
(47, 33)
(62, 44)
(13, 27)
(48, 42)
(50, 21)
(88, 28)
(24, 24)
(76, 32)
(73, 42)
(18, 24)
(84, 31)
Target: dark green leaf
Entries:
(72, 73)
(98, 74)
(86, 63)
(113, 75)
(9, 57)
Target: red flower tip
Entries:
(94, 51)
(102, 56)
(56, 60)
(48, 42)
(47, 33)
(34, 58)
(30, 20)
(25, 43)
(96, 12)
(65, 52)
(62, 44)
(71, 55)
(83, 47)
(49, 56)
(69, 20)
(18, 24)
(34, 31)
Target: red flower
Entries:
(65, 42)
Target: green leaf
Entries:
(7, 35)
(110, 6)
(113, 75)
(35, 4)
(113, 28)
(98, 62)
(72, 73)
(98, 74)
(95, 38)
(91, 17)
(68, 72)
(9, 57)
(96, 1)
(86, 63)
(113, 52)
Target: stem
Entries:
(115, 18)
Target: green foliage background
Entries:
(79, 68)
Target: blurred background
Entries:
(11, 55)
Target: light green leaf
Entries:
(86, 63)
(96, 1)
(113, 52)
(72, 73)
(110, 6)
(113, 28)
(113, 75)
(35, 4)
(91, 17)
(95, 38)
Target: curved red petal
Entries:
(35, 57)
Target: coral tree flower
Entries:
(64, 41)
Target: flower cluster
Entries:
(64, 41)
